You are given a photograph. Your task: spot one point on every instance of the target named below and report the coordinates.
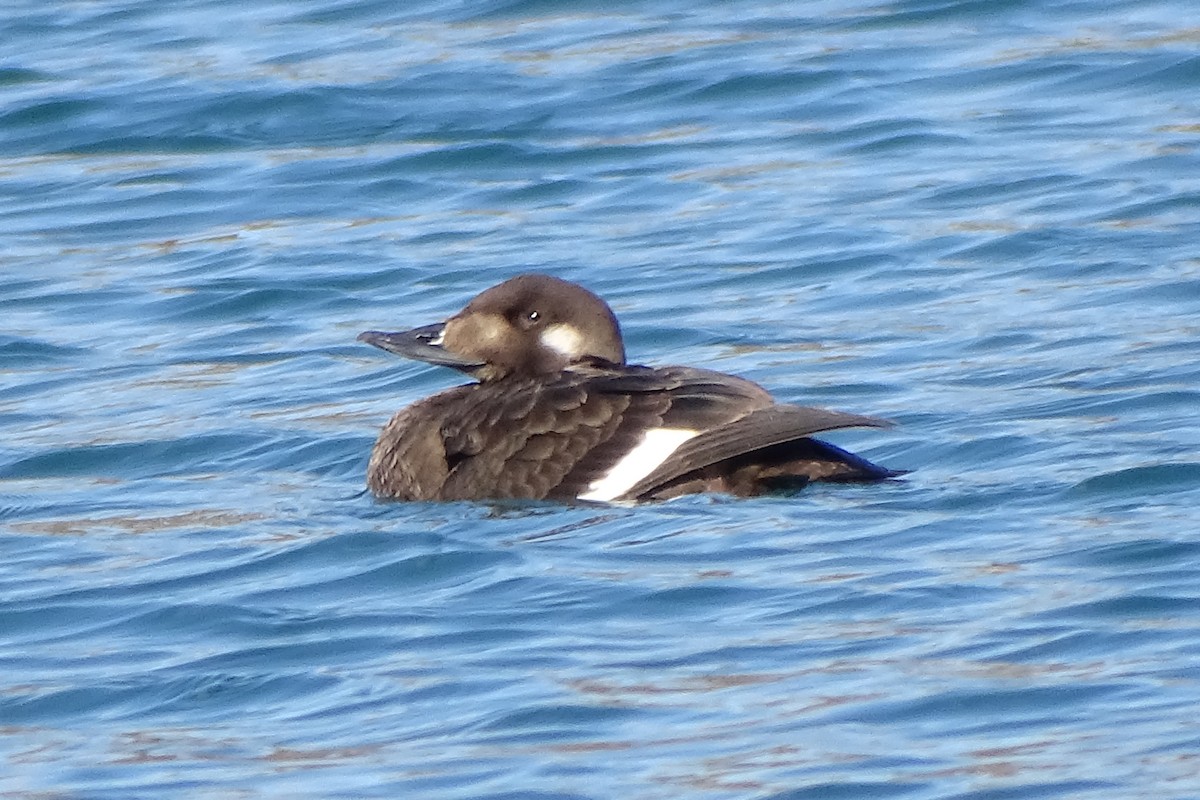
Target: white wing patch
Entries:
(655, 447)
(564, 338)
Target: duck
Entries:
(555, 412)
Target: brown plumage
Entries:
(556, 413)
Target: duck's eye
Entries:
(532, 317)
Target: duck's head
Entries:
(528, 325)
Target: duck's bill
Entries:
(422, 344)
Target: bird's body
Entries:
(558, 414)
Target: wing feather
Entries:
(759, 428)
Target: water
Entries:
(976, 219)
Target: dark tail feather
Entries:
(784, 467)
(851, 467)
(792, 465)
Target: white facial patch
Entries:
(564, 338)
(655, 447)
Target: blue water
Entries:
(979, 219)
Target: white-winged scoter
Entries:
(556, 413)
